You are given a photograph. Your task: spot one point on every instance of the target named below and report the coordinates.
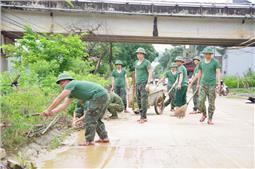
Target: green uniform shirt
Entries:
(209, 72)
(142, 71)
(84, 90)
(183, 70)
(171, 78)
(114, 98)
(119, 78)
(196, 70)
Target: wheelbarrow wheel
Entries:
(159, 105)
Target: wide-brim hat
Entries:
(196, 58)
(179, 58)
(118, 62)
(64, 76)
(208, 50)
(140, 50)
(173, 65)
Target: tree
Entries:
(126, 53)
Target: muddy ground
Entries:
(165, 141)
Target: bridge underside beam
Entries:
(151, 40)
(132, 28)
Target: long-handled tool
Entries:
(181, 111)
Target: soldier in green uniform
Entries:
(143, 77)
(209, 78)
(115, 105)
(196, 61)
(171, 76)
(120, 82)
(182, 83)
(83, 91)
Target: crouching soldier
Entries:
(115, 105)
(209, 73)
(79, 114)
(83, 91)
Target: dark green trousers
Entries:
(171, 98)
(93, 118)
(142, 100)
(180, 98)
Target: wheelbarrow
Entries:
(156, 99)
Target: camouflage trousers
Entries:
(196, 97)
(210, 93)
(114, 108)
(171, 98)
(93, 118)
(121, 91)
(142, 99)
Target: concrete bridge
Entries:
(162, 23)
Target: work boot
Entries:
(202, 118)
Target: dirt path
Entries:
(168, 142)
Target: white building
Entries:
(238, 61)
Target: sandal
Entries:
(87, 143)
(209, 122)
(202, 118)
(105, 140)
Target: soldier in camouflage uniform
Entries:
(171, 76)
(209, 73)
(143, 78)
(115, 105)
(120, 82)
(196, 61)
(83, 91)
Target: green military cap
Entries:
(118, 62)
(208, 50)
(140, 50)
(173, 65)
(179, 58)
(196, 58)
(64, 76)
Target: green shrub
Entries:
(16, 108)
(248, 80)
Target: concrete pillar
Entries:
(3, 59)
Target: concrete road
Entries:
(165, 141)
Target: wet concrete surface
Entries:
(167, 142)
